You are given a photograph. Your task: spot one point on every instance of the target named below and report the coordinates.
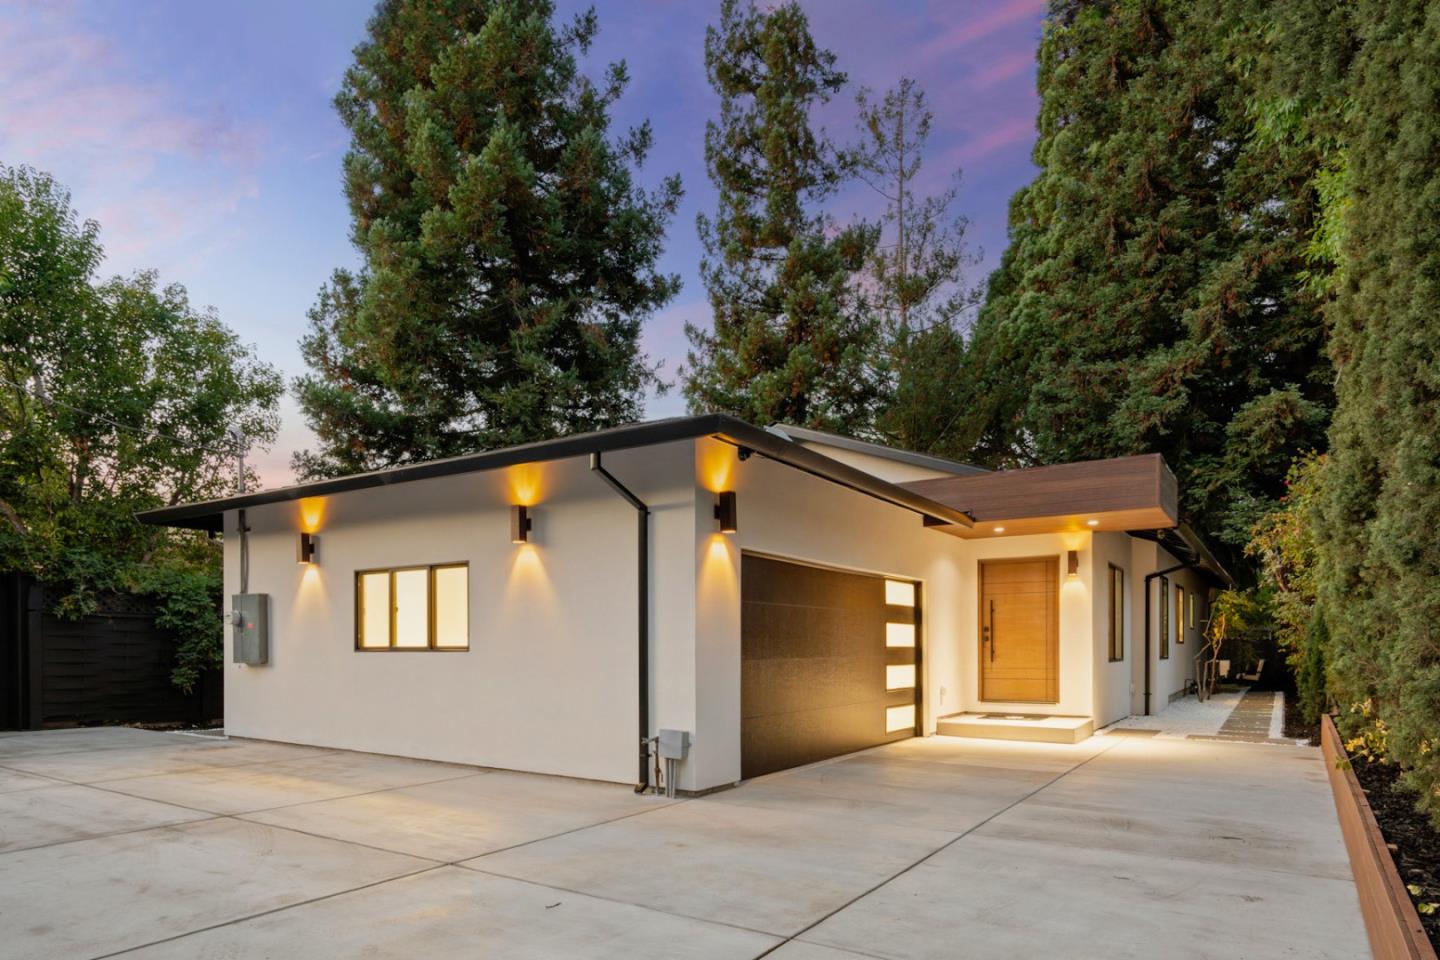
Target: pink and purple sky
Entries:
(202, 139)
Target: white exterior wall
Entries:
(789, 514)
(1167, 677)
(785, 513)
(1113, 680)
(1077, 668)
(549, 682)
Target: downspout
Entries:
(1148, 578)
(642, 515)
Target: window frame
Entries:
(1117, 613)
(431, 646)
(1164, 625)
(1179, 613)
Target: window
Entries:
(413, 608)
(1117, 613)
(1164, 630)
(1192, 609)
(900, 718)
(1179, 614)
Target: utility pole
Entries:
(237, 443)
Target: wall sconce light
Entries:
(521, 523)
(725, 511)
(305, 552)
(1072, 561)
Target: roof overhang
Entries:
(1187, 547)
(1120, 494)
(925, 460)
(209, 514)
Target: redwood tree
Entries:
(791, 337)
(509, 255)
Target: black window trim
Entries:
(1117, 614)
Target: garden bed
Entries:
(1392, 922)
(1295, 727)
(1409, 835)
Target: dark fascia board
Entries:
(1189, 548)
(208, 514)
(879, 450)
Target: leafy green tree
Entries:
(1379, 557)
(792, 338)
(1153, 295)
(510, 257)
(115, 396)
(1284, 544)
(917, 280)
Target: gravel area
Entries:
(1186, 716)
(1260, 720)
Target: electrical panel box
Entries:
(674, 744)
(250, 617)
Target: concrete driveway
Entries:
(167, 846)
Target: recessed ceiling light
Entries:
(999, 529)
(1092, 523)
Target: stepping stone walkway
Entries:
(1249, 722)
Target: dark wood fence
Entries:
(112, 666)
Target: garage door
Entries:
(829, 663)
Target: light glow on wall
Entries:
(900, 718)
(312, 512)
(899, 676)
(310, 581)
(526, 482)
(717, 465)
(899, 634)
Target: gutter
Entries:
(642, 515)
(1148, 578)
(209, 514)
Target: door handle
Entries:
(991, 631)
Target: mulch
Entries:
(1297, 729)
(1413, 840)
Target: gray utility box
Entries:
(250, 615)
(674, 744)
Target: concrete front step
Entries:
(1002, 726)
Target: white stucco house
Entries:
(779, 595)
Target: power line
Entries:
(49, 401)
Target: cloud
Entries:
(162, 173)
(970, 29)
(1020, 129)
(1005, 68)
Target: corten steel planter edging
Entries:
(1391, 922)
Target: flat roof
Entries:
(1136, 495)
(879, 450)
(209, 514)
(1122, 493)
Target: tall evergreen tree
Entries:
(1152, 296)
(1379, 557)
(792, 339)
(917, 275)
(509, 255)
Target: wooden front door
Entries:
(1020, 630)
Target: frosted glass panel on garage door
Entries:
(412, 608)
